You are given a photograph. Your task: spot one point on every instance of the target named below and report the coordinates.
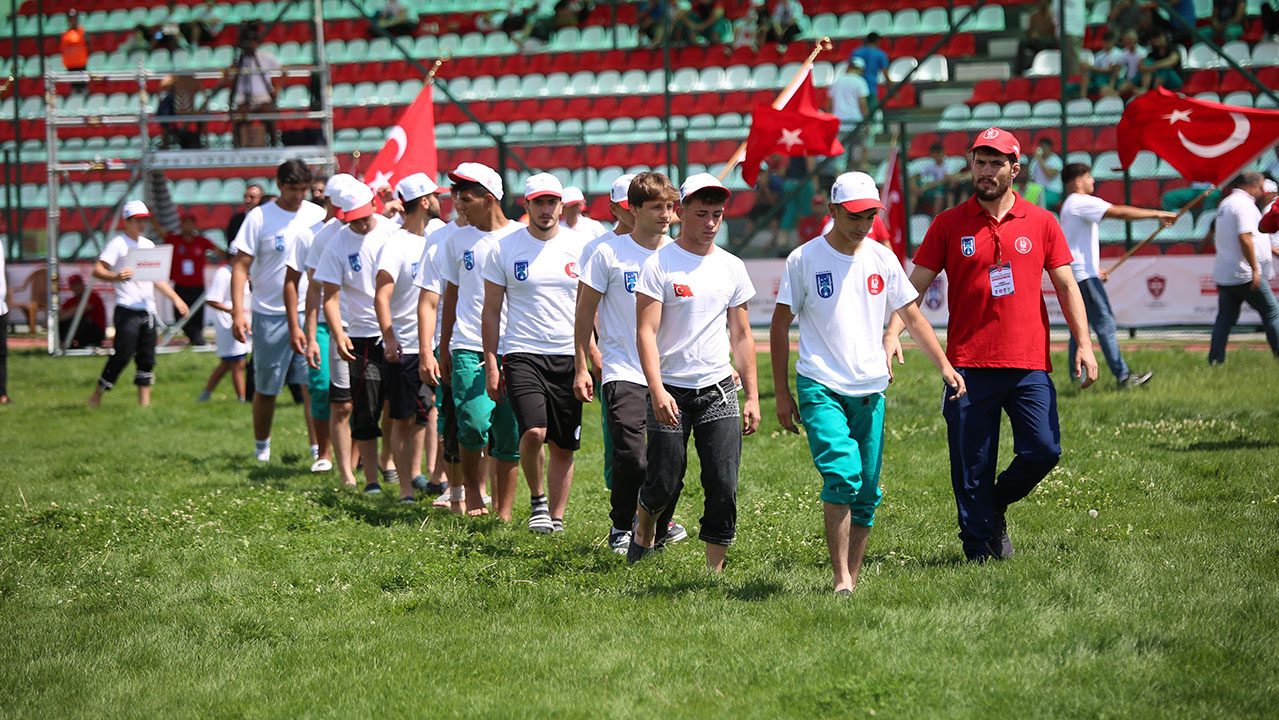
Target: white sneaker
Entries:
(262, 451)
(321, 466)
(620, 542)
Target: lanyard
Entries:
(993, 226)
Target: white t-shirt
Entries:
(1237, 214)
(4, 287)
(696, 292)
(1038, 174)
(842, 302)
(220, 292)
(267, 235)
(845, 97)
(399, 258)
(586, 226)
(1080, 215)
(131, 294)
(350, 261)
(613, 270)
(461, 264)
(540, 277)
(1106, 59)
(254, 82)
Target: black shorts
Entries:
(368, 388)
(540, 390)
(404, 390)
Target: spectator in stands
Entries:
(396, 18)
(1101, 76)
(932, 184)
(252, 198)
(704, 23)
(255, 83)
(75, 51)
(93, 322)
(1236, 267)
(1161, 67)
(849, 99)
(1045, 169)
(768, 193)
(205, 24)
(139, 40)
(1075, 17)
(1041, 34)
(876, 63)
(1181, 24)
(652, 21)
(1270, 21)
(1131, 53)
(1032, 191)
(1124, 15)
(190, 251)
(37, 287)
(784, 24)
(169, 34)
(1227, 19)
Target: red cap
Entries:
(1000, 141)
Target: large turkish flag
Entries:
(797, 129)
(410, 145)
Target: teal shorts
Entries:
(480, 421)
(317, 381)
(846, 437)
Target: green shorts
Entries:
(480, 421)
(317, 381)
(846, 438)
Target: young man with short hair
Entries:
(574, 215)
(843, 289)
(262, 247)
(482, 423)
(134, 315)
(534, 272)
(686, 292)
(1236, 269)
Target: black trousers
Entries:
(626, 407)
(193, 328)
(87, 335)
(134, 338)
(4, 354)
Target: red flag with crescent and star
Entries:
(410, 145)
(1205, 141)
(797, 129)
(891, 195)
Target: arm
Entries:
(297, 337)
(490, 328)
(648, 316)
(1128, 212)
(926, 339)
(103, 271)
(314, 301)
(1072, 306)
(779, 351)
(428, 369)
(178, 303)
(920, 278)
(333, 314)
(382, 307)
(239, 276)
(1250, 254)
(588, 301)
(446, 333)
(218, 306)
(739, 328)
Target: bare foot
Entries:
(455, 508)
(95, 401)
(478, 512)
(4, 400)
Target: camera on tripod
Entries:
(248, 35)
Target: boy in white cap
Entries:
(574, 215)
(348, 270)
(481, 422)
(262, 246)
(534, 273)
(843, 289)
(134, 315)
(396, 301)
(684, 295)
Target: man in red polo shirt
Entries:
(995, 249)
(189, 252)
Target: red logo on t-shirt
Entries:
(571, 270)
(875, 284)
(682, 290)
(1023, 245)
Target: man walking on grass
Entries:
(1237, 266)
(842, 289)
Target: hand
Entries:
(391, 207)
(1166, 218)
(597, 374)
(346, 348)
(313, 354)
(391, 349)
(1086, 366)
(954, 381)
(240, 329)
(493, 383)
(297, 341)
(428, 369)
(1104, 275)
(787, 412)
(664, 407)
(181, 307)
(1256, 281)
(737, 379)
(893, 349)
(583, 386)
(124, 275)
(446, 366)
(750, 417)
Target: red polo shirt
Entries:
(188, 259)
(986, 331)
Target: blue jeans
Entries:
(1102, 322)
(1232, 297)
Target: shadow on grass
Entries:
(1214, 445)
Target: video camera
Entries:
(248, 34)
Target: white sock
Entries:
(262, 449)
(315, 452)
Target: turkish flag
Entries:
(798, 129)
(410, 145)
(1205, 141)
(891, 195)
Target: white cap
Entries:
(135, 208)
(700, 181)
(856, 191)
(355, 201)
(335, 183)
(479, 173)
(859, 63)
(621, 190)
(543, 184)
(1269, 186)
(573, 195)
(415, 186)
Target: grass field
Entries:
(148, 568)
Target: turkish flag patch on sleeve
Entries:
(682, 290)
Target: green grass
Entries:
(149, 568)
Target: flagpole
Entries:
(822, 45)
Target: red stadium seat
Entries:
(1107, 139)
(1080, 139)
(1232, 81)
(903, 99)
(1145, 193)
(1112, 191)
(920, 143)
(1112, 250)
(1048, 88)
(987, 91)
(1147, 249)
(1181, 248)
(1053, 134)
(956, 143)
(1201, 81)
(1017, 88)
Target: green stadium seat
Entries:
(408, 91)
(565, 39)
(508, 86)
(498, 44)
(763, 77)
(424, 47)
(379, 49)
(517, 129)
(122, 104)
(899, 68)
(906, 22)
(593, 37)
(1265, 54)
(295, 96)
(482, 88)
(710, 80)
(880, 21)
(608, 83)
(824, 25)
(364, 93)
(543, 128)
(852, 25)
(223, 56)
(1079, 109)
(186, 192)
(954, 117)
(933, 21)
(449, 41)
(1046, 110)
(1047, 63)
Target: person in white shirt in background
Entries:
(231, 352)
(1102, 75)
(848, 102)
(574, 215)
(843, 289)
(534, 273)
(1081, 214)
(348, 270)
(686, 292)
(134, 315)
(1045, 169)
(1237, 267)
(395, 302)
(262, 246)
(1268, 243)
(481, 423)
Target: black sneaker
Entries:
(637, 552)
(1001, 547)
(675, 533)
(373, 488)
(1137, 379)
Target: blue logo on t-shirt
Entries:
(632, 278)
(967, 245)
(279, 242)
(521, 270)
(825, 284)
(468, 259)
(354, 258)
(414, 270)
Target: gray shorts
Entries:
(273, 360)
(339, 374)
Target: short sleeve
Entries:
(1057, 252)
(494, 270)
(445, 261)
(1249, 220)
(652, 281)
(329, 267)
(390, 259)
(297, 256)
(900, 290)
(246, 238)
(791, 292)
(744, 289)
(932, 251)
(113, 253)
(595, 269)
(1091, 208)
(221, 290)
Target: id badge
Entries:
(1001, 280)
(188, 267)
